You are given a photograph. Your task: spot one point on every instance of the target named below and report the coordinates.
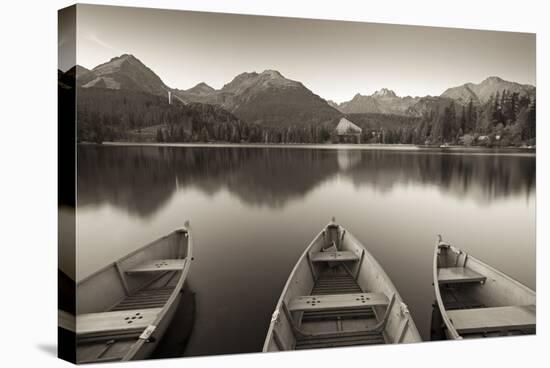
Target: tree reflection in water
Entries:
(141, 180)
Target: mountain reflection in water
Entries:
(141, 180)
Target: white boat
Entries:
(475, 300)
(123, 310)
(338, 295)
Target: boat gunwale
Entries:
(454, 334)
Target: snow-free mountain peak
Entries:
(384, 92)
(201, 89)
(383, 101)
(125, 72)
(489, 87)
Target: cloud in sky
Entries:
(95, 39)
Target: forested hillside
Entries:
(506, 119)
(124, 100)
(107, 115)
(386, 128)
(110, 115)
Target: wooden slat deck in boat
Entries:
(493, 319)
(155, 298)
(332, 281)
(453, 299)
(336, 282)
(359, 338)
(147, 302)
(452, 275)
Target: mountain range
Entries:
(268, 99)
(265, 98)
(385, 101)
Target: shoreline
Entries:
(330, 146)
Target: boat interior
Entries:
(338, 295)
(349, 308)
(120, 306)
(478, 301)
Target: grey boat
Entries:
(338, 295)
(475, 300)
(123, 310)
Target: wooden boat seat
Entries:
(337, 301)
(455, 275)
(115, 321)
(334, 256)
(159, 265)
(493, 319)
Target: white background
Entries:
(28, 191)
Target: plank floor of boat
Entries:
(153, 296)
(337, 280)
(145, 299)
(364, 338)
(454, 299)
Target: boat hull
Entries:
(473, 299)
(357, 273)
(143, 287)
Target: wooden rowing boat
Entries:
(338, 295)
(123, 310)
(476, 300)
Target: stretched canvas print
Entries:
(234, 183)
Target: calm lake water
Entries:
(254, 210)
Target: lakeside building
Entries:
(348, 132)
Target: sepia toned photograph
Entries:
(240, 184)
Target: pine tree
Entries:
(529, 129)
(324, 135)
(463, 120)
(513, 107)
(505, 117)
(496, 113)
(472, 117)
(448, 127)
(160, 136)
(98, 130)
(203, 136)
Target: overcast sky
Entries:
(334, 59)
